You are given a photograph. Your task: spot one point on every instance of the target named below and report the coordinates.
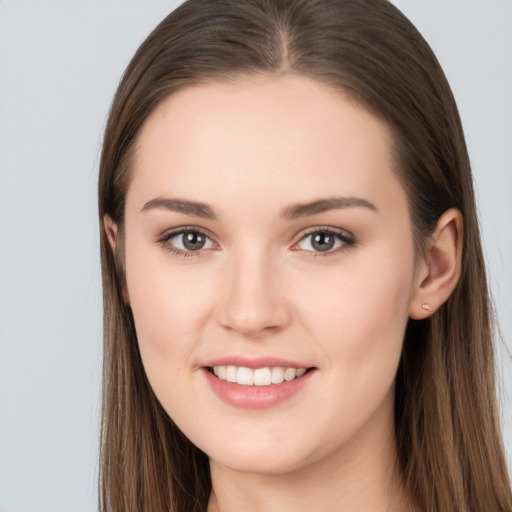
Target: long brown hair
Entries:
(446, 423)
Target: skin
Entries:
(250, 149)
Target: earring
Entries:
(426, 307)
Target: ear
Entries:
(439, 272)
(111, 230)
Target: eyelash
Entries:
(165, 239)
(347, 241)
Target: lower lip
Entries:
(255, 397)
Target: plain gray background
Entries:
(60, 61)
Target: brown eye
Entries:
(325, 241)
(187, 242)
(322, 241)
(193, 240)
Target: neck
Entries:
(360, 476)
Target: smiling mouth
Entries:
(257, 377)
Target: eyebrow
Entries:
(296, 211)
(182, 206)
(291, 212)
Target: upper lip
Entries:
(255, 363)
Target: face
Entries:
(270, 268)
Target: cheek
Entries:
(360, 320)
(169, 310)
(169, 314)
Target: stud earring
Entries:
(426, 307)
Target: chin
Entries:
(264, 458)
(258, 465)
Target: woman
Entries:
(293, 277)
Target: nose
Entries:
(253, 297)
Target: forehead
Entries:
(268, 135)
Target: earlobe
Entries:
(439, 272)
(111, 230)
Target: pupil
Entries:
(193, 241)
(323, 241)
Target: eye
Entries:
(325, 241)
(187, 242)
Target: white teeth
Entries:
(289, 374)
(231, 373)
(221, 372)
(259, 377)
(262, 377)
(245, 376)
(277, 375)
